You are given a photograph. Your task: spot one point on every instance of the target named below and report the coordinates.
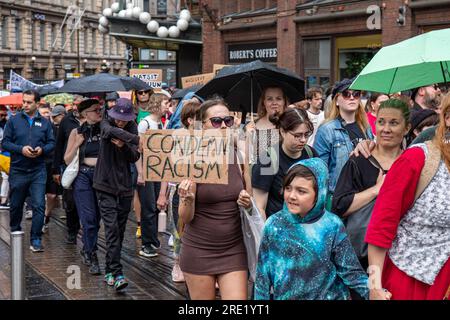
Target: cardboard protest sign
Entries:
(187, 82)
(152, 76)
(176, 155)
(218, 67)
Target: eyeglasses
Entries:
(98, 110)
(216, 122)
(300, 136)
(142, 92)
(346, 94)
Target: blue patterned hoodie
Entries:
(311, 257)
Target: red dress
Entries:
(394, 200)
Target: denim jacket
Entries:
(334, 146)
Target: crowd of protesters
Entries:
(313, 169)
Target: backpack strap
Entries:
(309, 151)
(431, 166)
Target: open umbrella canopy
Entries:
(59, 98)
(103, 82)
(179, 94)
(14, 99)
(416, 62)
(241, 86)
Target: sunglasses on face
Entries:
(142, 92)
(347, 94)
(435, 87)
(216, 122)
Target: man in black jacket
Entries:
(68, 123)
(112, 181)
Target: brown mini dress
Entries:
(212, 242)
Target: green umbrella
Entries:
(416, 62)
(60, 98)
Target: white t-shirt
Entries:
(316, 120)
(148, 123)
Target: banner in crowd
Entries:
(18, 82)
(201, 79)
(175, 155)
(153, 77)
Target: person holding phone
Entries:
(28, 137)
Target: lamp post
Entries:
(33, 60)
(85, 61)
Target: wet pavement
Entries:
(60, 264)
(38, 288)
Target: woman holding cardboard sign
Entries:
(213, 248)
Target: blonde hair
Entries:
(262, 109)
(441, 138)
(360, 117)
(154, 103)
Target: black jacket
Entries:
(113, 173)
(68, 123)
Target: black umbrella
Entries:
(179, 94)
(103, 82)
(47, 89)
(241, 86)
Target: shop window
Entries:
(354, 53)
(317, 62)
(144, 54)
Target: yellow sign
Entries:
(153, 77)
(187, 82)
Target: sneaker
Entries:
(177, 274)
(94, 268)
(138, 233)
(148, 252)
(155, 247)
(36, 246)
(170, 243)
(120, 283)
(86, 258)
(28, 214)
(71, 239)
(4, 206)
(109, 279)
(45, 228)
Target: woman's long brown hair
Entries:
(441, 140)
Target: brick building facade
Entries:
(28, 29)
(322, 40)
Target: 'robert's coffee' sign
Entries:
(242, 53)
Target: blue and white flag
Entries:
(19, 82)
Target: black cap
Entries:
(417, 117)
(112, 96)
(87, 103)
(342, 86)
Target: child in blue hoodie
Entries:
(305, 253)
